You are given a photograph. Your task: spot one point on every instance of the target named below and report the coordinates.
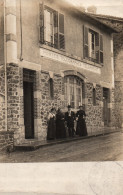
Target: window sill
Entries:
(93, 63)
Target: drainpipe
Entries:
(5, 65)
(21, 31)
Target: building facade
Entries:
(54, 55)
(116, 23)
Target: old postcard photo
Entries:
(61, 96)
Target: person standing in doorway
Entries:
(51, 132)
(70, 118)
(81, 129)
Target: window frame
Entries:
(91, 42)
(75, 87)
(58, 37)
(51, 35)
(98, 51)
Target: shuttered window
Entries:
(86, 53)
(61, 32)
(97, 47)
(93, 45)
(101, 49)
(56, 30)
(51, 28)
(41, 23)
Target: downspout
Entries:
(21, 32)
(5, 65)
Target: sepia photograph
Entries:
(61, 95)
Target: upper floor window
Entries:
(93, 45)
(51, 27)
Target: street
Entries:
(102, 148)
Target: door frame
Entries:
(106, 109)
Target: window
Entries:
(94, 96)
(73, 91)
(51, 88)
(51, 28)
(48, 21)
(93, 46)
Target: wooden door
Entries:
(105, 110)
(28, 110)
(105, 106)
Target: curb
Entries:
(50, 143)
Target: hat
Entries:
(69, 106)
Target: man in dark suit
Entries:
(70, 118)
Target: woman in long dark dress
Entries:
(60, 125)
(81, 129)
(51, 132)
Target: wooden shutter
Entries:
(56, 29)
(101, 49)
(85, 38)
(97, 47)
(41, 23)
(61, 32)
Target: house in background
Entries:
(54, 55)
(116, 23)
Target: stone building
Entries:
(54, 55)
(116, 23)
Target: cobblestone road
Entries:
(103, 148)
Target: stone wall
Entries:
(15, 101)
(6, 141)
(13, 96)
(2, 98)
(2, 112)
(94, 112)
(119, 103)
(47, 103)
(117, 107)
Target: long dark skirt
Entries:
(60, 129)
(81, 129)
(51, 129)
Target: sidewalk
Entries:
(35, 144)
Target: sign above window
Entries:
(65, 59)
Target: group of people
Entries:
(59, 123)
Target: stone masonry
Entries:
(2, 99)
(94, 112)
(116, 23)
(6, 141)
(47, 103)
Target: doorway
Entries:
(105, 106)
(28, 110)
